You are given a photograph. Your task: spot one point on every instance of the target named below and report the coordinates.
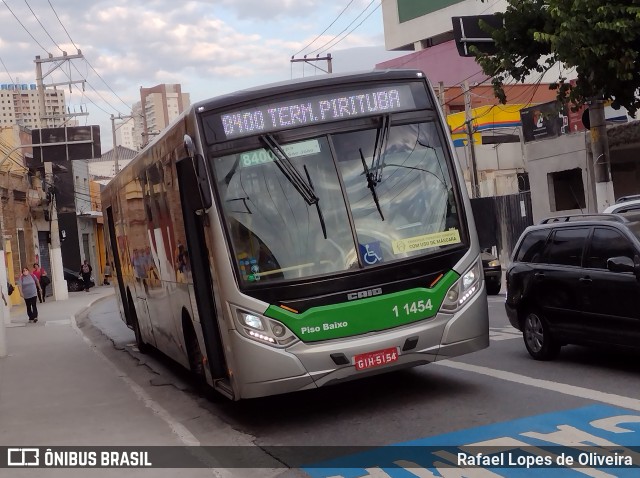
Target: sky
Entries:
(209, 47)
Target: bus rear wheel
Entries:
(143, 347)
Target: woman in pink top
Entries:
(37, 271)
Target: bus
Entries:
(298, 235)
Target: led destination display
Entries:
(318, 109)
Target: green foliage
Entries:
(599, 38)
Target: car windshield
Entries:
(397, 203)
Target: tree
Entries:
(600, 39)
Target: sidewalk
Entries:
(56, 389)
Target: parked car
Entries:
(623, 206)
(74, 281)
(631, 197)
(492, 272)
(576, 280)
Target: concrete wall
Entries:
(498, 168)
(549, 156)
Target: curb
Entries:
(84, 312)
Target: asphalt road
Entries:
(499, 393)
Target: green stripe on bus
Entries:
(365, 315)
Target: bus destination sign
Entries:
(318, 109)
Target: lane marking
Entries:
(504, 333)
(580, 392)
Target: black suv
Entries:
(576, 279)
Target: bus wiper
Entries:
(380, 147)
(320, 216)
(371, 183)
(288, 169)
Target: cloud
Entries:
(210, 47)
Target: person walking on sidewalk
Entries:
(28, 286)
(44, 283)
(37, 271)
(85, 272)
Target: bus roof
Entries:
(260, 91)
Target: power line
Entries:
(25, 28)
(45, 30)
(5, 69)
(88, 63)
(324, 31)
(354, 29)
(345, 29)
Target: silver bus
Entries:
(300, 234)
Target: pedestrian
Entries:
(85, 272)
(37, 271)
(28, 286)
(107, 274)
(44, 283)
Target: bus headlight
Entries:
(465, 287)
(264, 330)
(252, 321)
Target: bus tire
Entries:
(196, 363)
(143, 347)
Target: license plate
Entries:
(375, 359)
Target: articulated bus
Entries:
(298, 235)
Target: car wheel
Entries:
(538, 339)
(493, 288)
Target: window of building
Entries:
(566, 190)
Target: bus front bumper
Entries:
(263, 370)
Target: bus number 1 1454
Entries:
(413, 308)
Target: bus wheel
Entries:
(142, 346)
(196, 364)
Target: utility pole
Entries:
(475, 187)
(600, 149)
(327, 58)
(4, 314)
(116, 155)
(441, 96)
(58, 282)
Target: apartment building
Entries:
(19, 105)
(157, 108)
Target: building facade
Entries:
(413, 26)
(158, 107)
(19, 105)
(124, 134)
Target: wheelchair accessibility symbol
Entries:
(371, 253)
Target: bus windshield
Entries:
(384, 194)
